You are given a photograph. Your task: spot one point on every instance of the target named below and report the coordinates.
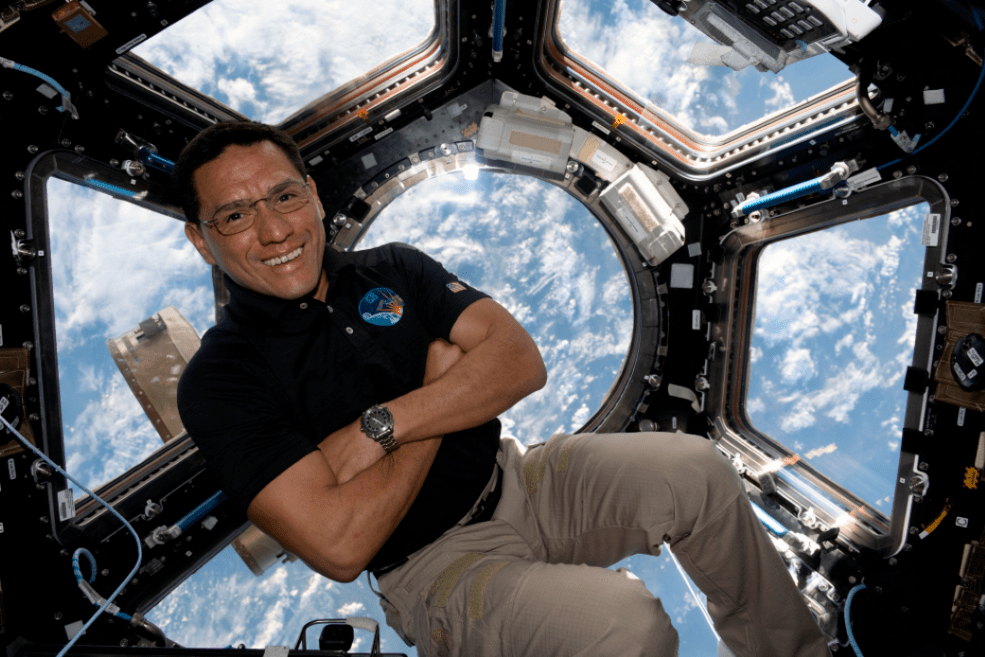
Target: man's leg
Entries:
(600, 498)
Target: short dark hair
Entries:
(210, 143)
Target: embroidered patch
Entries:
(381, 306)
(456, 287)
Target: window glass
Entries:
(546, 259)
(113, 264)
(833, 337)
(268, 60)
(647, 50)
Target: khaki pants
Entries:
(532, 581)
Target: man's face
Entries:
(253, 258)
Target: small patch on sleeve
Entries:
(456, 287)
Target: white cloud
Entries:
(350, 609)
(797, 364)
(111, 261)
(270, 68)
(755, 405)
(782, 92)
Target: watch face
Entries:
(377, 422)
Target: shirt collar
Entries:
(276, 314)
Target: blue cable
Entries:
(499, 21)
(88, 589)
(107, 187)
(771, 523)
(78, 571)
(781, 196)
(66, 97)
(974, 92)
(140, 552)
(201, 510)
(848, 619)
(151, 158)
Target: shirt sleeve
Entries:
(441, 295)
(240, 425)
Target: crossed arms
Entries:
(336, 507)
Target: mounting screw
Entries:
(942, 177)
(22, 271)
(923, 466)
(955, 221)
(892, 561)
(955, 202)
(19, 233)
(897, 174)
(35, 417)
(908, 547)
(942, 330)
(913, 530)
(43, 520)
(124, 643)
(928, 432)
(19, 175)
(951, 257)
(339, 220)
(910, 170)
(66, 142)
(647, 425)
(32, 149)
(25, 308)
(17, 193)
(80, 149)
(42, 110)
(8, 96)
(58, 615)
(879, 590)
(946, 294)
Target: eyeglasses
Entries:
(240, 215)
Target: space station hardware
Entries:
(259, 551)
(649, 209)
(840, 171)
(526, 131)
(607, 162)
(151, 358)
(15, 377)
(964, 319)
(772, 35)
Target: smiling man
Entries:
(347, 404)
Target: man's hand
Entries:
(349, 451)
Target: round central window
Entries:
(543, 256)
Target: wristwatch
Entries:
(377, 423)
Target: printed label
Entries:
(972, 374)
(383, 134)
(530, 159)
(66, 504)
(601, 128)
(864, 179)
(978, 297)
(11, 469)
(961, 413)
(603, 162)
(695, 319)
(931, 230)
(4, 402)
(975, 357)
(131, 43)
(959, 372)
(359, 135)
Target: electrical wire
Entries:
(140, 552)
(974, 92)
(90, 592)
(848, 619)
(66, 97)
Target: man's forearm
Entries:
(499, 366)
(337, 528)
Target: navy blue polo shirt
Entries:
(276, 376)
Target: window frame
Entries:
(752, 450)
